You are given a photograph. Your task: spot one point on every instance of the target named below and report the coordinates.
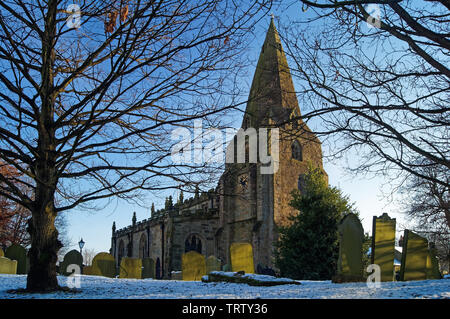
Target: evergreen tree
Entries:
(308, 248)
(166, 203)
(170, 202)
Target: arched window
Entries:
(297, 151)
(301, 183)
(193, 243)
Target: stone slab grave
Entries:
(212, 264)
(72, 257)
(418, 261)
(130, 268)
(8, 266)
(193, 266)
(242, 258)
(350, 263)
(250, 279)
(148, 268)
(103, 264)
(17, 252)
(383, 245)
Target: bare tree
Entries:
(14, 217)
(427, 204)
(89, 95)
(88, 255)
(426, 201)
(376, 73)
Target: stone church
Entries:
(246, 206)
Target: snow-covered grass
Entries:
(93, 287)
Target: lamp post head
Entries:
(81, 243)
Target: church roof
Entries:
(272, 94)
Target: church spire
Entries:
(272, 94)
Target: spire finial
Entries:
(272, 16)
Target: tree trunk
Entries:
(44, 249)
(44, 236)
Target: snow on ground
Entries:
(93, 287)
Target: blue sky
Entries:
(95, 226)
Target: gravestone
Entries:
(17, 252)
(414, 257)
(130, 268)
(87, 270)
(148, 268)
(433, 271)
(226, 267)
(193, 266)
(351, 237)
(383, 245)
(242, 258)
(212, 264)
(8, 266)
(104, 264)
(72, 257)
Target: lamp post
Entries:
(81, 244)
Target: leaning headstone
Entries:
(130, 268)
(242, 258)
(351, 237)
(8, 266)
(193, 266)
(212, 264)
(414, 257)
(17, 252)
(383, 245)
(433, 271)
(72, 257)
(148, 268)
(104, 264)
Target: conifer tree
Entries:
(170, 202)
(308, 247)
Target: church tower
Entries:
(252, 203)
